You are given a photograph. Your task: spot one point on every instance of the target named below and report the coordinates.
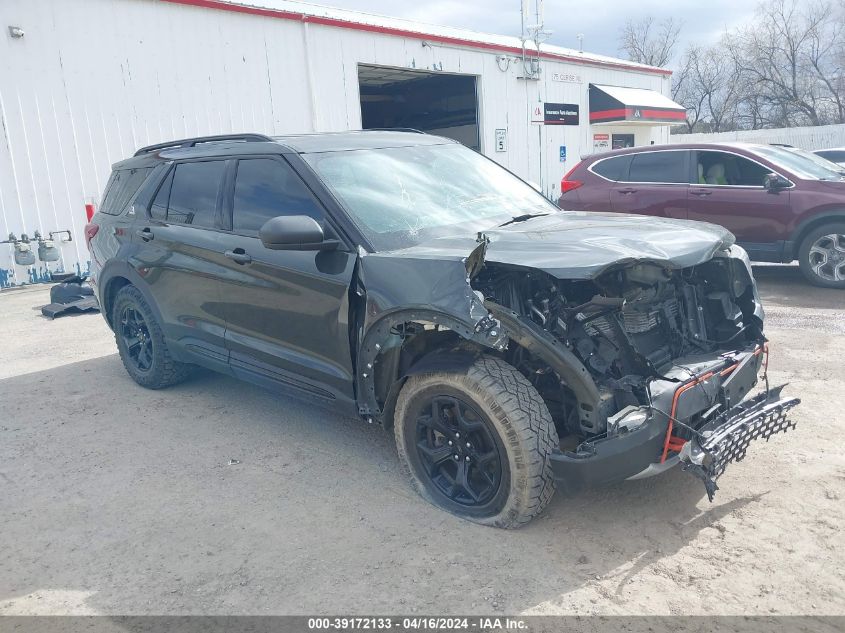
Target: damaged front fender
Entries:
(393, 291)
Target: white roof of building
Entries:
(343, 18)
(639, 97)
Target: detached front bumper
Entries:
(698, 417)
(726, 439)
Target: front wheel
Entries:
(821, 255)
(477, 443)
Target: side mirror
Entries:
(294, 233)
(773, 183)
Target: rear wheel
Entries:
(821, 255)
(141, 343)
(477, 443)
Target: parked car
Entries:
(407, 280)
(782, 204)
(835, 155)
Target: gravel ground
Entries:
(117, 500)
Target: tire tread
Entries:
(524, 417)
(167, 372)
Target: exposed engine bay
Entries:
(646, 352)
(627, 326)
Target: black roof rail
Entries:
(192, 142)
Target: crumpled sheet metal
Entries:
(576, 245)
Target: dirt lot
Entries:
(114, 499)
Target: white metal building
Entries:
(83, 83)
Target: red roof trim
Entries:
(646, 114)
(389, 30)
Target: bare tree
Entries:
(650, 42)
(785, 68)
(788, 57)
(709, 90)
(686, 89)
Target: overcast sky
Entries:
(598, 20)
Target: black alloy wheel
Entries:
(141, 343)
(477, 442)
(459, 451)
(135, 332)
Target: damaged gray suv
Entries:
(409, 281)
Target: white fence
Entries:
(819, 137)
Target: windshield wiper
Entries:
(522, 218)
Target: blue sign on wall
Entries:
(563, 153)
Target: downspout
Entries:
(309, 75)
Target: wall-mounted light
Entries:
(503, 62)
(16, 32)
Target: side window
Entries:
(662, 167)
(266, 188)
(615, 169)
(722, 168)
(122, 186)
(193, 193)
(749, 173)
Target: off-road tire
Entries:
(163, 371)
(836, 228)
(520, 421)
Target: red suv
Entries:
(782, 204)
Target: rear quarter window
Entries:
(835, 156)
(121, 188)
(614, 169)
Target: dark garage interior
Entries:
(437, 103)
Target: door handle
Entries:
(145, 234)
(239, 256)
(627, 190)
(700, 192)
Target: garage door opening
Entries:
(436, 103)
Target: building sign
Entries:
(555, 113)
(560, 113)
(563, 153)
(569, 78)
(601, 142)
(501, 140)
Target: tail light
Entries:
(90, 231)
(89, 210)
(568, 184)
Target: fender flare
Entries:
(117, 268)
(436, 360)
(378, 335)
(505, 325)
(803, 227)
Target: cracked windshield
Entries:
(402, 196)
